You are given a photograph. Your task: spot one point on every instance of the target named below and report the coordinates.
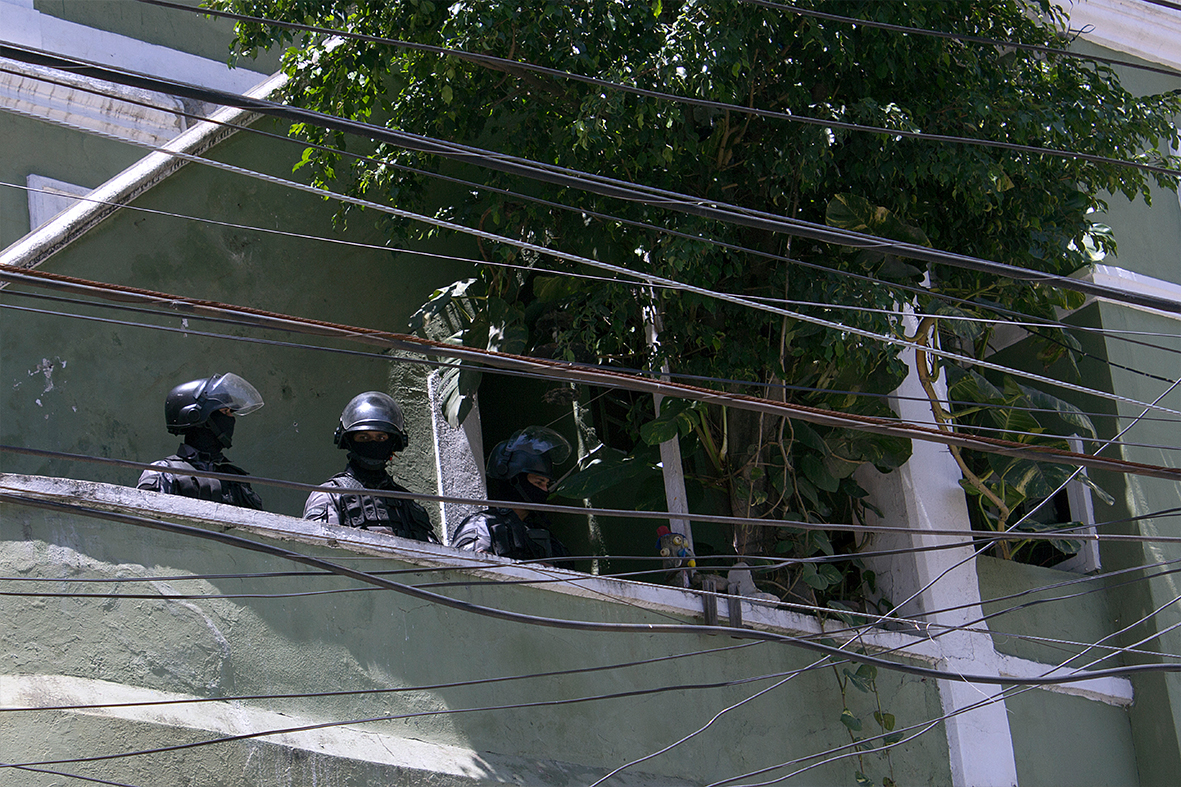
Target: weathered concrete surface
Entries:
(238, 636)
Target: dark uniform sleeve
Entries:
(473, 534)
(249, 497)
(157, 480)
(321, 507)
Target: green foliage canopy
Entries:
(1019, 208)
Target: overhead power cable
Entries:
(1008, 433)
(968, 39)
(920, 291)
(669, 282)
(1117, 334)
(1032, 511)
(846, 656)
(231, 540)
(393, 690)
(647, 278)
(571, 372)
(604, 186)
(650, 227)
(756, 384)
(1074, 533)
(515, 66)
(652, 279)
(1165, 4)
(188, 331)
(80, 777)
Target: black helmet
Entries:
(372, 411)
(534, 449)
(190, 404)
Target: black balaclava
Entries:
(204, 440)
(222, 426)
(526, 491)
(370, 456)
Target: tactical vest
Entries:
(231, 492)
(404, 517)
(513, 538)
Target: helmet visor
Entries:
(230, 390)
(540, 440)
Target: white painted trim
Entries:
(439, 763)
(1082, 509)
(1135, 283)
(965, 651)
(459, 464)
(39, 245)
(1112, 691)
(120, 112)
(1144, 30)
(49, 197)
(980, 743)
(23, 25)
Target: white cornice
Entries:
(122, 112)
(21, 24)
(1145, 30)
(1132, 282)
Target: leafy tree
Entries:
(1024, 209)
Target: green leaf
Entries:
(818, 474)
(812, 578)
(862, 780)
(862, 685)
(660, 430)
(885, 720)
(1065, 410)
(808, 436)
(850, 721)
(851, 212)
(819, 541)
(831, 574)
(549, 289)
(602, 470)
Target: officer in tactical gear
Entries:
(520, 469)
(372, 430)
(204, 411)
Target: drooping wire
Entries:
(1069, 532)
(228, 539)
(970, 39)
(561, 176)
(1009, 433)
(483, 59)
(648, 279)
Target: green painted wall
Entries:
(1138, 360)
(1156, 716)
(35, 148)
(1077, 611)
(1063, 741)
(187, 32)
(1149, 238)
(98, 388)
(377, 639)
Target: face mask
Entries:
(222, 426)
(204, 440)
(372, 454)
(528, 492)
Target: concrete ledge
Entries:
(929, 647)
(398, 760)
